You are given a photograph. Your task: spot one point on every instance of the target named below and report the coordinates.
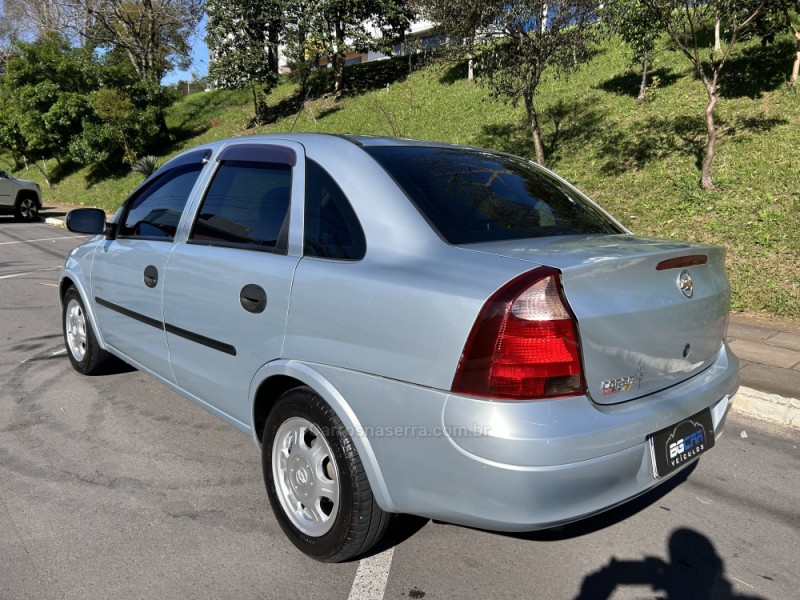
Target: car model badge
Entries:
(685, 284)
(614, 386)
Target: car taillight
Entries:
(524, 344)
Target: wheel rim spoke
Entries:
(75, 325)
(302, 465)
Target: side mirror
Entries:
(86, 220)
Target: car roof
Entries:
(363, 141)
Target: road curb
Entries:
(767, 407)
(55, 222)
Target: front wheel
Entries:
(84, 352)
(27, 209)
(316, 482)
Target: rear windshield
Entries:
(471, 196)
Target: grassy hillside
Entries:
(640, 162)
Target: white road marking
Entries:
(372, 576)
(29, 272)
(744, 582)
(55, 239)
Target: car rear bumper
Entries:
(527, 498)
(517, 466)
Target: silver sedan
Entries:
(409, 327)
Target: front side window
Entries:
(247, 205)
(332, 229)
(155, 210)
(470, 196)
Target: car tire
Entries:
(27, 208)
(316, 482)
(84, 352)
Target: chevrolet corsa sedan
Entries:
(409, 327)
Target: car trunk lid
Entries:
(651, 313)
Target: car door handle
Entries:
(150, 276)
(253, 298)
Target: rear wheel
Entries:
(316, 482)
(27, 208)
(84, 352)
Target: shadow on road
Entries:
(694, 570)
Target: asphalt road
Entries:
(114, 487)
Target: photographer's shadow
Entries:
(694, 570)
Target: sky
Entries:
(199, 57)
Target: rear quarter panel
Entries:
(406, 309)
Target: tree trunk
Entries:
(642, 97)
(273, 55)
(536, 132)
(706, 182)
(338, 61)
(255, 104)
(471, 58)
(717, 41)
(796, 65)
(161, 122)
(338, 76)
(41, 170)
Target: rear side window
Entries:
(470, 196)
(247, 206)
(155, 210)
(332, 229)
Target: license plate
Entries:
(676, 445)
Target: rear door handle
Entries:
(253, 298)
(150, 276)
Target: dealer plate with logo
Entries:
(678, 444)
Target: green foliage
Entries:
(332, 28)
(155, 36)
(244, 37)
(341, 26)
(146, 165)
(59, 101)
(43, 100)
(537, 35)
(120, 127)
(639, 162)
(636, 23)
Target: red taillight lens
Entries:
(524, 344)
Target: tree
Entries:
(301, 50)
(243, 36)
(792, 15)
(528, 38)
(44, 97)
(464, 21)
(777, 16)
(687, 23)
(342, 26)
(154, 34)
(638, 27)
(126, 118)
(66, 103)
(65, 17)
(8, 36)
